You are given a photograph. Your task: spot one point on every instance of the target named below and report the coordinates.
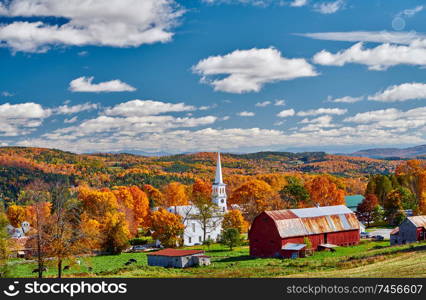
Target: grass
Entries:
(368, 259)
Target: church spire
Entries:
(218, 179)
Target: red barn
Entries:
(272, 230)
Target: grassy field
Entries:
(368, 259)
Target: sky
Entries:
(212, 75)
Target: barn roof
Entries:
(314, 220)
(419, 221)
(176, 252)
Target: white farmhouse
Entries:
(194, 233)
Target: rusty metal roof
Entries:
(419, 221)
(315, 220)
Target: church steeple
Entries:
(219, 188)
(218, 179)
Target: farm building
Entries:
(272, 231)
(411, 230)
(178, 258)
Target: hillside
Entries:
(411, 152)
(19, 166)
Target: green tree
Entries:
(383, 188)
(231, 237)
(294, 193)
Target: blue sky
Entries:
(229, 75)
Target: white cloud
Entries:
(20, 119)
(246, 114)
(6, 94)
(299, 3)
(322, 111)
(402, 92)
(317, 123)
(137, 107)
(279, 102)
(286, 113)
(263, 104)
(249, 70)
(394, 37)
(329, 7)
(378, 58)
(392, 118)
(410, 12)
(66, 109)
(116, 23)
(345, 99)
(207, 107)
(84, 84)
(71, 120)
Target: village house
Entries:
(194, 233)
(175, 258)
(412, 229)
(284, 233)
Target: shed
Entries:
(411, 230)
(271, 230)
(176, 258)
(291, 250)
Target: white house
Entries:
(194, 233)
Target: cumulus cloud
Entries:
(394, 37)
(246, 114)
(67, 109)
(263, 104)
(392, 118)
(248, 70)
(317, 123)
(378, 58)
(345, 99)
(84, 84)
(329, 7)
(322, 111)
(286, 113)
(116, 23)
(299, 3)
(22, 118)
(279, 102)
(71, 120)
(146, 107)
(402, 92)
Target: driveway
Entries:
(383, 232)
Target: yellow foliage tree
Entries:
(175, 194)
(234, 219)
(166, 227)
(16, 215)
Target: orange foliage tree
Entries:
(155, 196)
(324, 192)
(254, 197)
(166, 227)
(175, 194)
(16, 215)
(234, 219)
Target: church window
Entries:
(200, 238)
(193, 227)
(222, 201)
(189, 240)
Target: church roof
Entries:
(218, 179)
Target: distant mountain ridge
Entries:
(410, 152)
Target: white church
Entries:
(193, 233)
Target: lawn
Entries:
(369, 258)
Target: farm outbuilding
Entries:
(176, 258)
(271, 231)
(411, 230)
